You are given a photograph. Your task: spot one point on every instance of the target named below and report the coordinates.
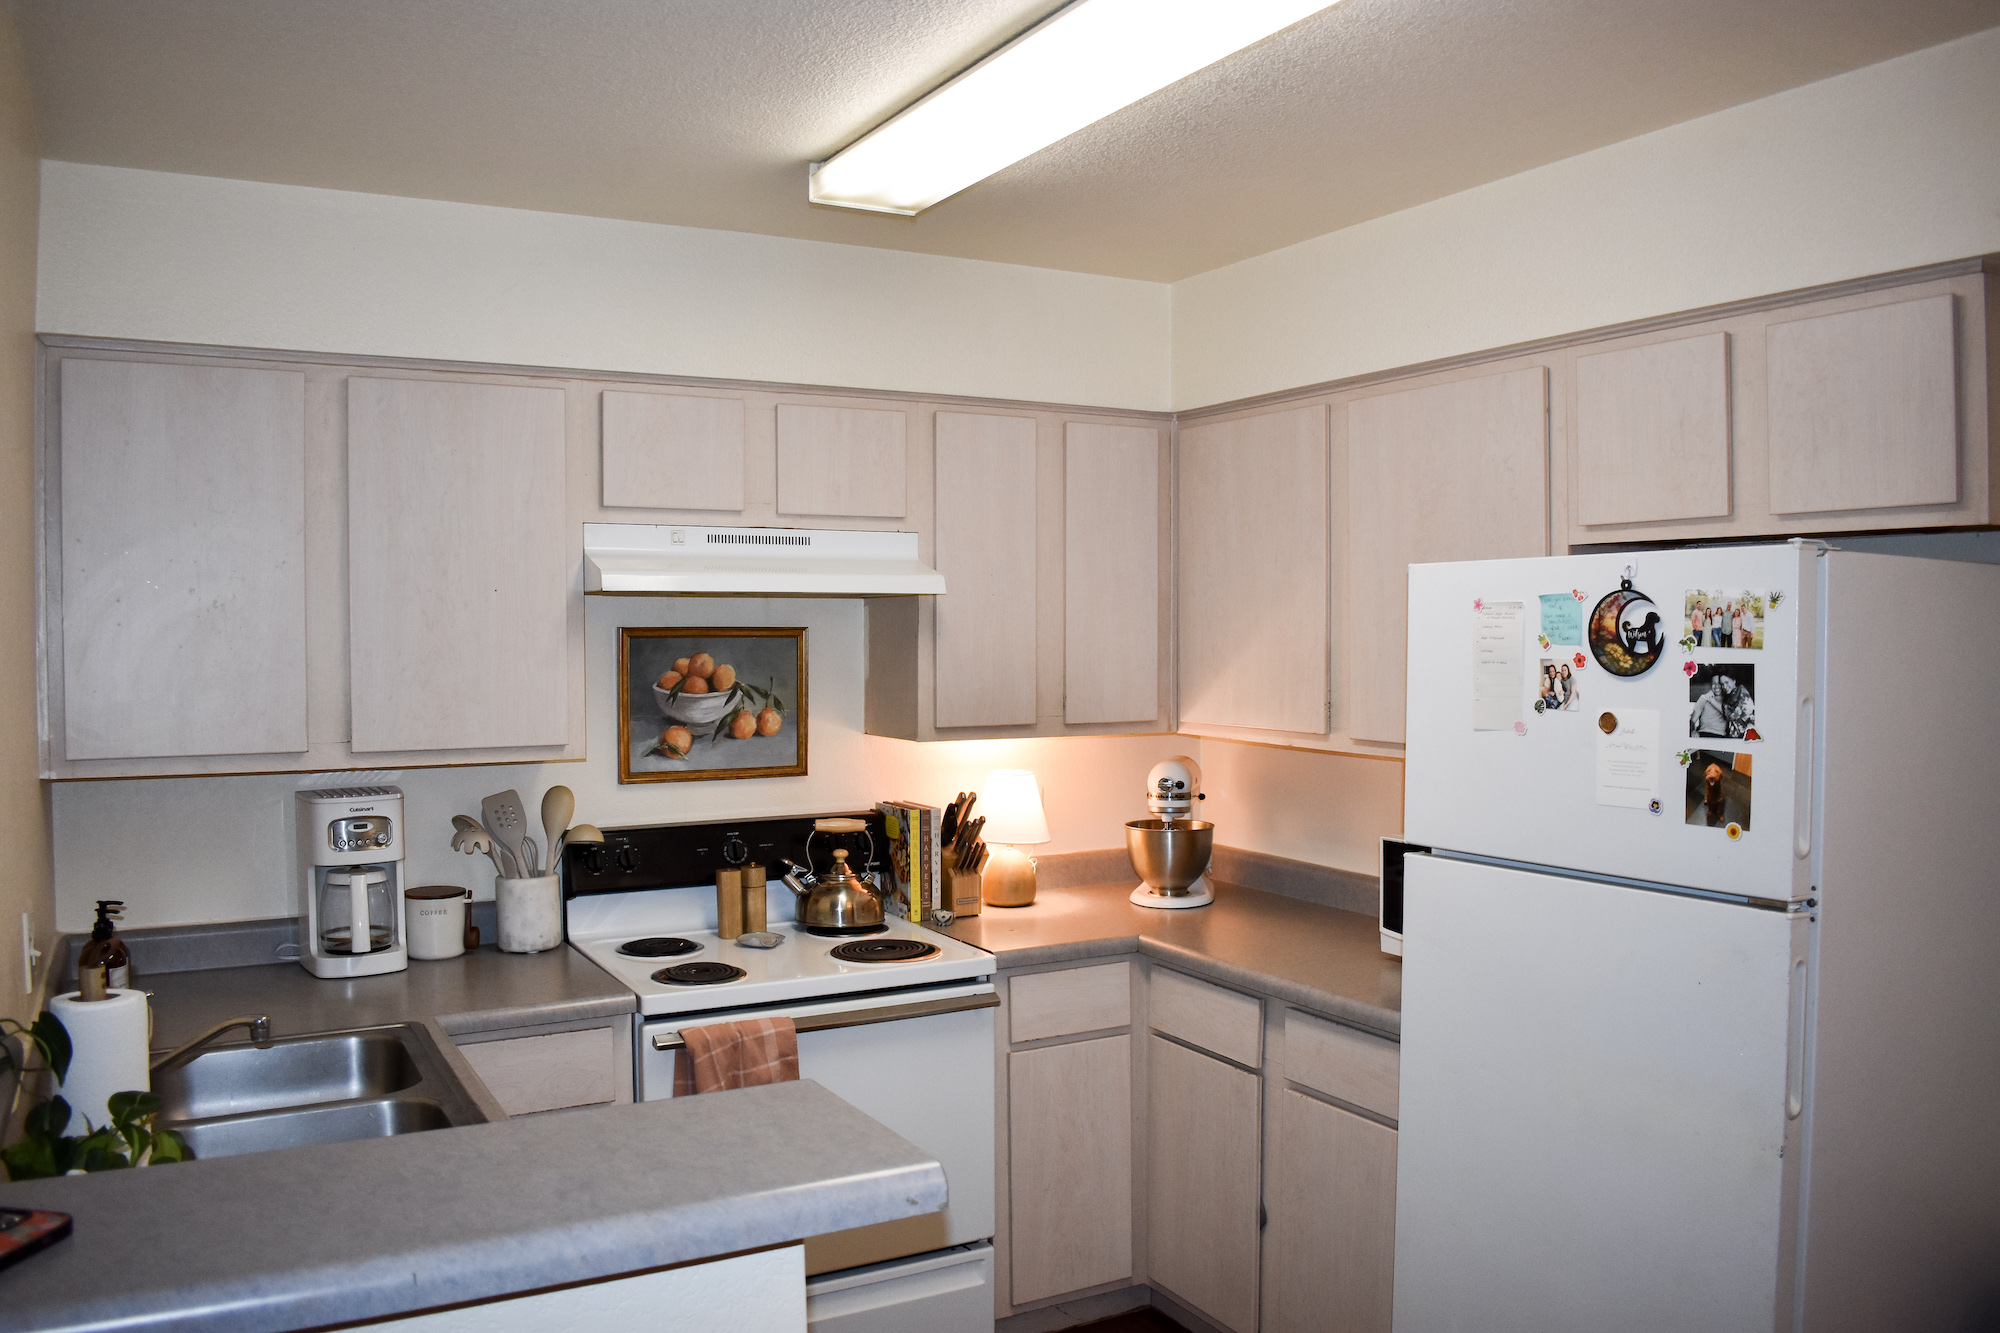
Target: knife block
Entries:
(966, 899)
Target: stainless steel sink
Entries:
(323, 1088)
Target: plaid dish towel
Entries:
(736, 1055)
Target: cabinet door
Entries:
(841, 461)
(1652, 432)
(1331, 1248)
(1069, 1164)
(457, 575)
(1452, 471)
(183, 560)
(1111, 573)
(672, 451)
(1864, 408)
(986, 552)
(1254, 640)
(1201, 1182)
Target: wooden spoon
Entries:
(558, 804)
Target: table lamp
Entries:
(1011, 804)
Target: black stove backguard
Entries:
(672, 856)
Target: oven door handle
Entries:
(854, 1018)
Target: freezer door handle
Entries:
(1802, 804)
(852, 1018)
(1795, 1052)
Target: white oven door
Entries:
(918, 1060)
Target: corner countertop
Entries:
(1318, 958)
(482, 991)
(380, 1227)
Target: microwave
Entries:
(1389, 893)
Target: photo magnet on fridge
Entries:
(1722, 698)
(1719, 619)
(1556, 688)
(1718, 790)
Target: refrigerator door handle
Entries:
(1802, 802)
(1795, 1054)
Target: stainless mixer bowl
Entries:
(1169, 854)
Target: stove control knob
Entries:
(592, 858)
(735, 852)
(627, 859)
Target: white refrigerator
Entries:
(1701, 979)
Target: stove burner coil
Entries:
(882, 951)
(658, 946)
(697, 974)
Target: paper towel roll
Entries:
(109, 1052)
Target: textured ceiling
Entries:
(704, 112)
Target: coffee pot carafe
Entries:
(351, 913)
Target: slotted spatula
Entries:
(507, 822)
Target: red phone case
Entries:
(23, 1231)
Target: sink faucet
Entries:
(260, 1036)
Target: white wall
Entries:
(220, 849)
(1888, 167)
(1329, 809)
(145, 254)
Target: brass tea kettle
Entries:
(839, 902)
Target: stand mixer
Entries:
(1170, 852)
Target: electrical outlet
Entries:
(30, 955)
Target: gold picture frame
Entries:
(683, 720)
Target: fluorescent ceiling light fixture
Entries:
(1073, 69)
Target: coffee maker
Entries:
(351, 882)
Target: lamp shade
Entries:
(1011, 804)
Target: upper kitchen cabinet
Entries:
(1856, 408)
(1051, 530)
(986, 552)
(1453, 469)
(177, 599)
(457, 565)
(673, 451)
(1254, 515)
(1113, 533)
(842, 462)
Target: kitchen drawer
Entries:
(1224, 1022)
(1342, 1062)
(1078, 999)
(550, 1072)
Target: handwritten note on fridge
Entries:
(1562, 618)
(1628, 757)
(1497, 664)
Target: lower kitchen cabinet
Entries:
(1069, 1165)
(1202, 1182)
(1329, 1252)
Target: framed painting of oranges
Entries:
(695, 705)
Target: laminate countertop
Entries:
(380, 1227)
(1319, 958)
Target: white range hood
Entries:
(753, 562)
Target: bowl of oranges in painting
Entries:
(703, 699)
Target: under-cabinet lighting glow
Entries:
(1075, 68)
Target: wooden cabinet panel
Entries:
(1342, 1062)
(1077, 999)
(1652, 431)
(986, 551)
(1111, 573)
(1202, 1182)
(1069, 1166)
(548, 1073)
(1254, 637)
(672, 451)
(458, 578)
(1330, 1250)
(1863, 408)
(183, 623)
(1224, 1021)
(842, 461)
(1456, 470)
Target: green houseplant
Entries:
(45, 1149)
